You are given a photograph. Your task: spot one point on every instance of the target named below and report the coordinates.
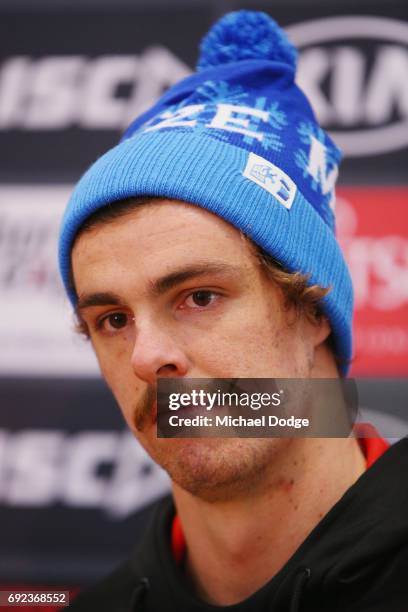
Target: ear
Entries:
(322, 330)
(322, 359)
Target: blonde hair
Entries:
(297, 292)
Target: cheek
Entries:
(290, 352)
(113, 354)
(111, 365)
(115, 365)
(247, 342)
(269, 346)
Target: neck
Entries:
(236, 546)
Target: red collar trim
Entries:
(178, 544)
(371, 443)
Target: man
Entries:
(203, 246)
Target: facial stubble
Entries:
(212, 469)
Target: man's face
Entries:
(171, 290)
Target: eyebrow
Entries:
(97, 299)
(165, 283)
(159, 286)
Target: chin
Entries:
(215, 469)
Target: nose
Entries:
(157, 355)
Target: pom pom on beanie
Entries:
(245, 35)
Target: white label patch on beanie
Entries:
(271, 178)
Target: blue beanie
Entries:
(239, 139)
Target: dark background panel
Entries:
(61, 155)
(58, 537)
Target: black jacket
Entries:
(355, 560)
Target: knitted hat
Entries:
(239, 139)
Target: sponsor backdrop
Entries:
(75, 488)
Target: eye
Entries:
(113, 321)
(200, 299)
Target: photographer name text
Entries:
(239, 421)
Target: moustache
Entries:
(144, 408)
(142, 412)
